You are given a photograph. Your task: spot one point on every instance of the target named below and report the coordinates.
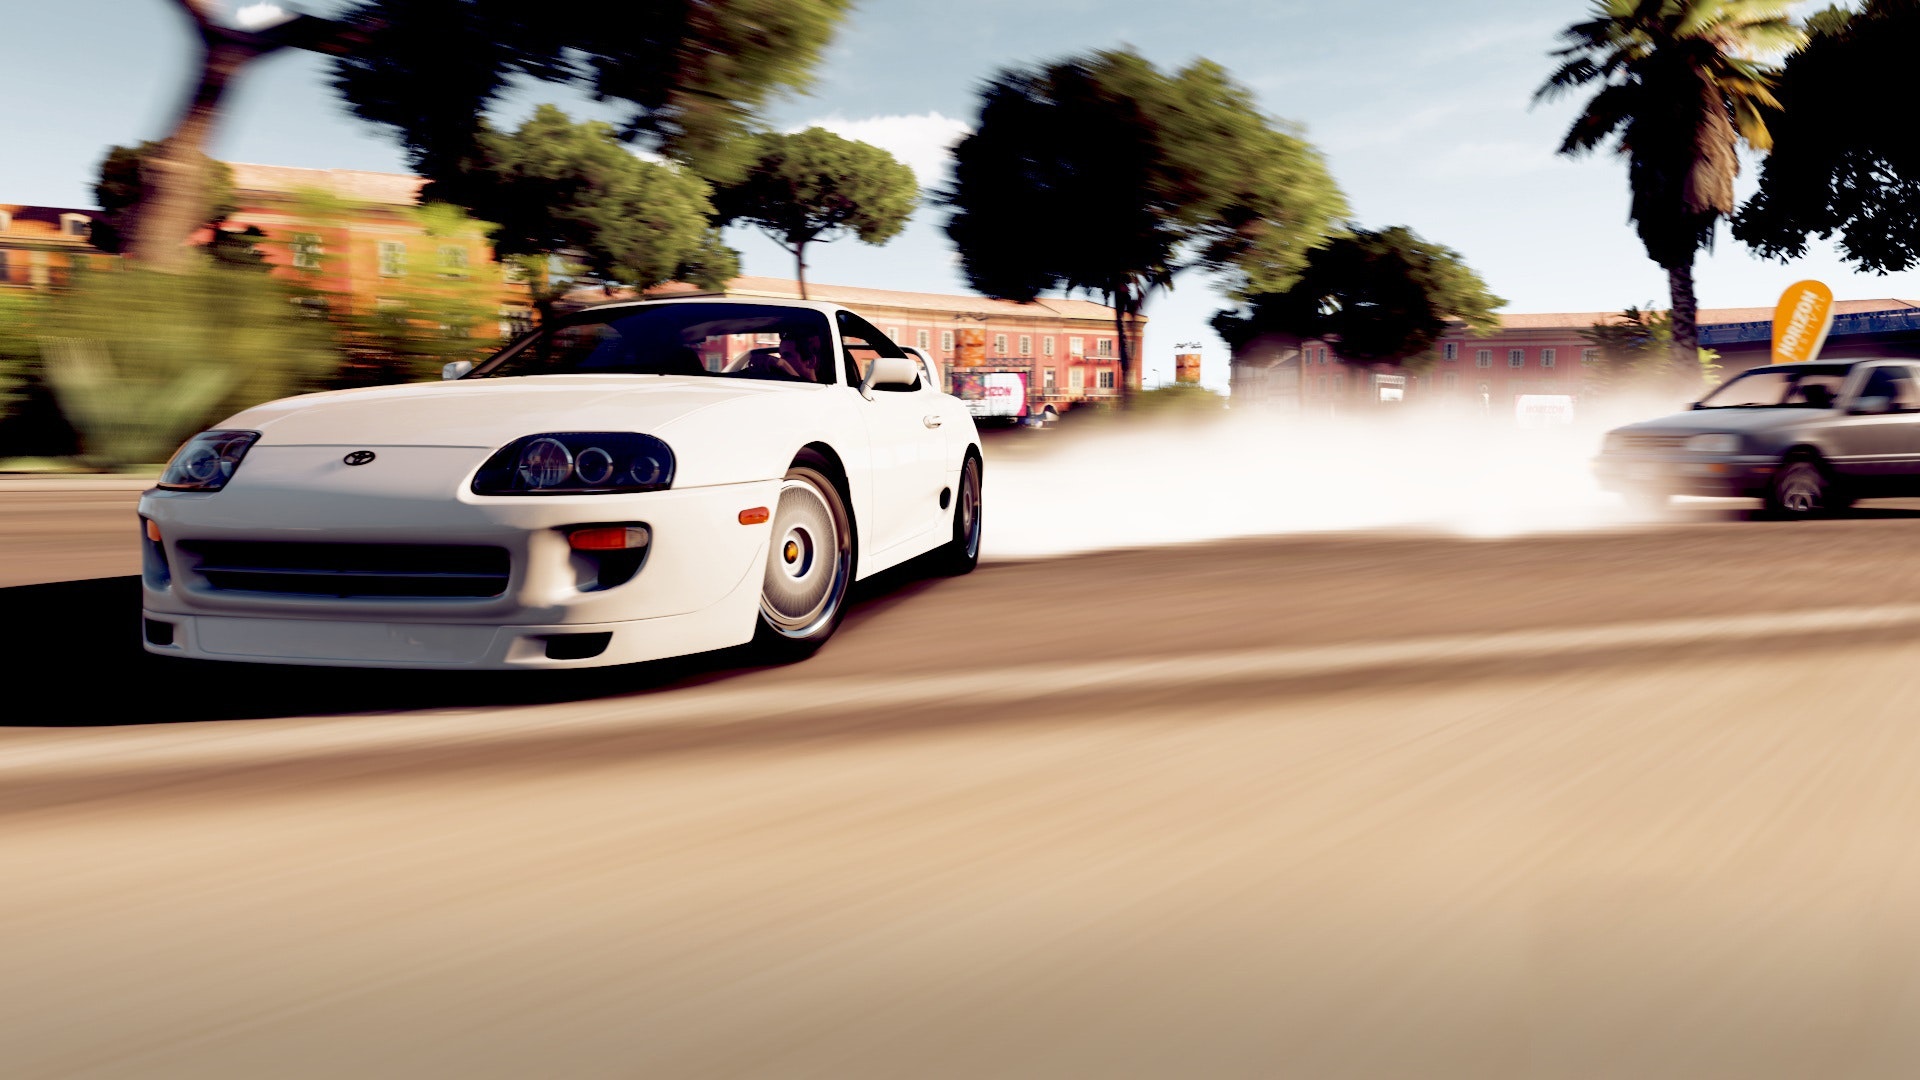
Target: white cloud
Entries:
(923, 141)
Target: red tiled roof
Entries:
(856, 297)
(398, 189)
(1708, 316)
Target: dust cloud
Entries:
(1120, 484)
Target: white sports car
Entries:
(632, 482)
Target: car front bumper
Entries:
(697, 588)
(1686, 474)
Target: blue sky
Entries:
(1421, 106)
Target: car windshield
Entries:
(721, 341)
(1809, 386)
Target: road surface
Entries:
(1632, 803)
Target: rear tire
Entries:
(962, 553)
(803, 591)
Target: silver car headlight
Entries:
(207, 461)
(1714, 444)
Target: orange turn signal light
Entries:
(153, 531)
(755, 516)
(610, 538)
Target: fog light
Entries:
(610, 538)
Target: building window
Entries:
(1450, 381)
(393, 258)
(1103, 346)
(893, 333)
(1323, 384)
(1046, 345)
(766, 339)
(1483, 358)
(1451, 350)
(1077, 379)
(1076, 347)
(513, 272)
(999, 344)
(6, 272)
(1547, 357)
(1516, 358)
(1105, 377)
(946, 341)
(1046, 379)
(6, 221)
(76, 224)
(306, 251)
(1589, 356)
(921, 338)
(1323, 354)
(1026, 344)
(1339, 383)
(453, 261)
(515, 321)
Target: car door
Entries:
(1878, 440)
(904, 441)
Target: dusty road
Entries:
(1639, 803)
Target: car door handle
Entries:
(930, 421)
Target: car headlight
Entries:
(1714, 444)
(577, 463)
(207, 461)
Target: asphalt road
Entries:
(1641, 802)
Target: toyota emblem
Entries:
(358, 457)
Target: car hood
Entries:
(489, 413)
(1739, 421)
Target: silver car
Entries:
(1808, 439)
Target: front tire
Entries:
(962, 553)
(1801, 490)
(803, 591)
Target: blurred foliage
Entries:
(125, 184)
(1841, 167)
(442, 304)
(1386, 296)
(554, 187)
(1677, 86)
(1105, 175)
(138, 359)
(814, 185)
(693, 72)
(20, 314)
(1178, 399)
(1635, 353)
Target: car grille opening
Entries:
(346, 570)
(1636, 441)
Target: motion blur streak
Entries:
(1141, 483)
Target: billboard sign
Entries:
(1801, 321)
(1186, 368)
(992, 393)
(1543, 410)
(973, 346)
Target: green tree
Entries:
(557, 188)
(20, 313)
(1839, 167)
(124, 190)
(1104, 175)
(1678, 85)
(1386, 296)
(813, 186)
(692, 73)
(1635, 352)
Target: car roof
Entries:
(751, 301)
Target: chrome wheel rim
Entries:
(1802, 489)
(808, 559)
(969, 508)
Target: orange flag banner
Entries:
(1801, 322)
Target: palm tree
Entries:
(1682, 83)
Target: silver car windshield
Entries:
(720, 341)
(1812, 386)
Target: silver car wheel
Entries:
(809, 558)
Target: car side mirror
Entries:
(1871, 406)
(454, 369)
(890, 371)
(1695, 405)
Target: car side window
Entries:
(1895, 383)
(861, 344)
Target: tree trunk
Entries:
(176, 182)
(1124, 304)
(800, 267)
(1686, 325)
